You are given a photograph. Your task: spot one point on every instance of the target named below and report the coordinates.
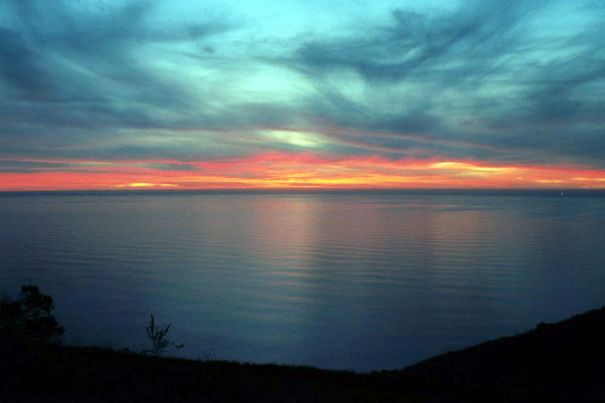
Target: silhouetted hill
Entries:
(555, 363)
(562, 362)
(59, 373)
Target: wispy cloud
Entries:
(485, 74)
(515, 83)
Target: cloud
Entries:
(101, 79)
(32, 166)
(70, 66)
(508, 82)
(296, 170)
(484, 76)
(434, 48)
(19, 67)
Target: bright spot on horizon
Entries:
(147, 185)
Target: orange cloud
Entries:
(291, 171)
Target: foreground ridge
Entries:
(562, 362)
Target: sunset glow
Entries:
(218, 95)
(282, 171)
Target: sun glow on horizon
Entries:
(147, 185)
(280, 170)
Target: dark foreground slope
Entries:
(559, 362)
(562, 362)
(58, 374)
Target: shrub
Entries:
(28, 318)
(158, 338)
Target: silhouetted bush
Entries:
(28, 318)
(158, 338)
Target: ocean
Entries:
(341, 280)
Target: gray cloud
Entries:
(481, 76)
(71, 76)
(29, 166)
(480, 82)
(170, 167)
(467, 44)
(19, 67)
(90, 57)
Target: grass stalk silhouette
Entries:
(158, 337)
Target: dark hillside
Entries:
(563, 362)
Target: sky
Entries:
(143, 94)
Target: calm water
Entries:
(351, 281)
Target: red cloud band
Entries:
(304, 170)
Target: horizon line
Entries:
(560, 191)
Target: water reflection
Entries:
(333, 280)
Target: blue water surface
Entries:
(351, 280)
